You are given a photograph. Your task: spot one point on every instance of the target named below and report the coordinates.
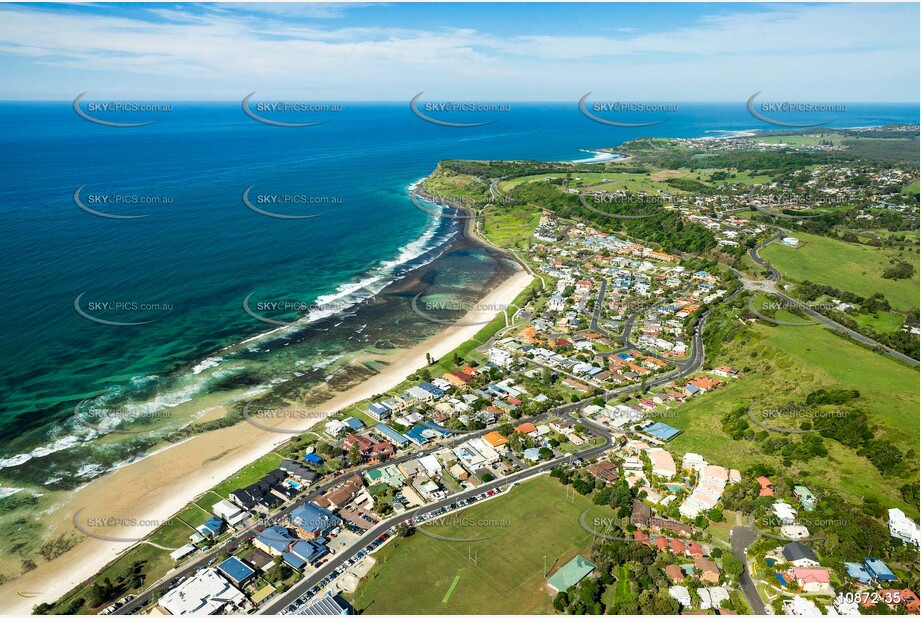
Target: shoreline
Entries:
(163, 483)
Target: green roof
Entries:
(571, 573)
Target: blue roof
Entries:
(856, 570)
(276, 537)
(417, 434)
(662, 431)
(214, 525)
(691, 388)
(292, 560)
(313, 518)
(878, 569)
(532, 453)
(436, 428)
(379, 408)
(624, 356)
(309, 551)
(235, 569)
(313, 458)
(431, 388)
(392, 434)
(354, 423)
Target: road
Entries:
(740, 538)
(692, 364)
(314, 493)
(307, 583)
(775, 277)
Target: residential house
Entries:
(378, 411)
(313, 521)
(674, 573)
(341, 495)
(812, 580)
(604, 470)
(709, 571)
(799, 555)
(903, 528)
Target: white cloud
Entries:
(830, 51)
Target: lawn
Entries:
(456, 186)
(413, 575)
(510, 226)
(783, 366)
(248, 475)
(846, 266)
(882, 322)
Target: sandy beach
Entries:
(160, 485)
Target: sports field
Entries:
(503, 574)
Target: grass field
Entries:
(783, 366)
(846, 266)
(456, 186)
(882, 322)
(510, 227)
(415, 575)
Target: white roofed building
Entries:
(207, 592)
(903, 528)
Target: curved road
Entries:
(693, 364)
(775, 277)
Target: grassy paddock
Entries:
(784, 366)
(846, 266)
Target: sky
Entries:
(463, 51)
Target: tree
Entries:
(94, 595)
(354, 454)
(560, 602)
(732, 566)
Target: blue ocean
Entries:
(178, 268)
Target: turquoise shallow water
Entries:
(202, 251)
